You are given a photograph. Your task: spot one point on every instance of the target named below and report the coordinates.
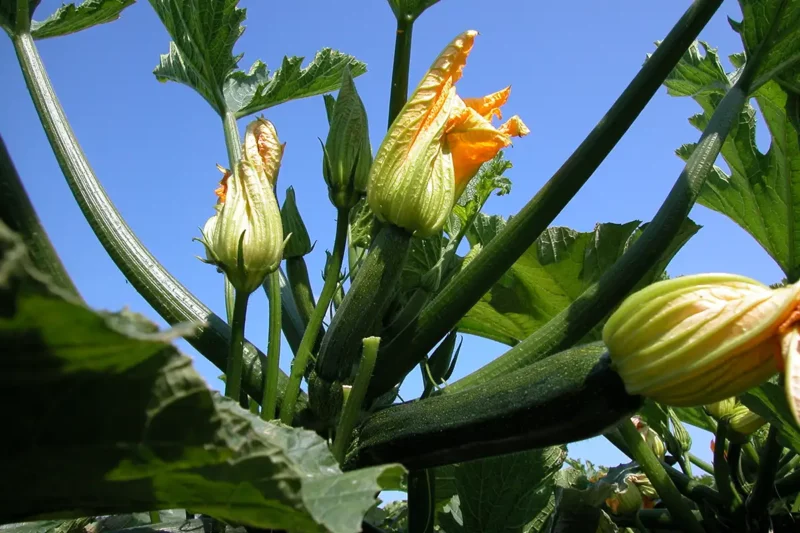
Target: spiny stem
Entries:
(233, 373)
(352, 408)
(270, 401)
(672, 498)
(315, 321)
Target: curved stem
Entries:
(315, 321)
(764, 488)
(722, 473)
(673, 500)
(270, 402)
(355, 399)
(17, 212)
(469, 285)
(402, 61)
(702, 464)
(233, 373)
(163, 292)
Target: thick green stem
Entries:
(299, 283)
(17, 212)
(701, 464)
(421, 501)
(722, 473)
(270, 401)
(658, 476)
(355, 399)
(751, 453)
(233, 143)
(467, 287)
(315, 321)
(402, 61)
(572, 324)
(233, 373)
(361, 312)
(764, 489)
(163, 292)
(155, 517)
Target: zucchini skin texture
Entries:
(570, 396)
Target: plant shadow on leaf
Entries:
(108, 418)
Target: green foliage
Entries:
(167, 442)
(769, 401)
(762, 190)
(551, 274)
(70, 18)
(506, 493)
(201, 56)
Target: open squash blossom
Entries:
(245, 236)
(701, 339)
(436, 145)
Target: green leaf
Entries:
(107, 418)
(762, 192)
(9, 10)
(551, 274)
(255, 90)
(70, 18)
(782, 62)
(201, 52)
(769, 402)
(410, 9)
(490, 178)
(503, 493)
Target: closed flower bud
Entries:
(652, 438)
(744, 421)
(300, 243)
(436, 145)
(682, 436)
(645, 487)
(626, 500)
(700, 339)
(245, 238)
(262, 149)
(721, 410)
(347, 154)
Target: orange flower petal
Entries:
(222, 190)
(490, 104)
(514, 127)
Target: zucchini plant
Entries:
(109, 427)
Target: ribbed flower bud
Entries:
(347, 154)
(744, 421)
(700, 339)
(626, 500)
(245, 237)
(262, 149)
(721, 410)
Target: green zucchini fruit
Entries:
(570, 396)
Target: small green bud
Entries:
(721, 410)
(300, 243)
(681, 434)
(625, 501)
(347, 154)
(744, 421)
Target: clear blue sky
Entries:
(155, 146)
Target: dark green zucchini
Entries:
(568, 397)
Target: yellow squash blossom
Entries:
(701, 339)
(436, 145)
(244, 238)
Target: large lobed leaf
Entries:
(769, 401)
(70, 18)
(783, 60)
(762, 192)
(256, 90)
(103, 416)
(204, 33)
(551, 274)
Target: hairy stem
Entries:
(315, 321)
(402, 61)
(163, 292)
(657, 475)
(355, 400)
(270, 402)
(469, 285)
(233, 373)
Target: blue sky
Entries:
(155, 146)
